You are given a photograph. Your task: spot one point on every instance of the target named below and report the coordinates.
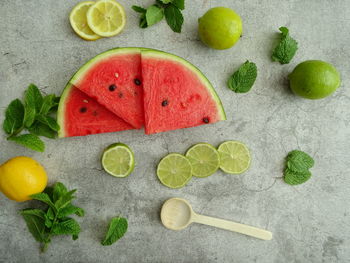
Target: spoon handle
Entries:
(233, 226)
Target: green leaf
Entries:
(35, 220)
(14, 117)
(41, 129)
(286, 49)
(32, 103)
(65, 199)
(174, 18)
(139, 9)
(299, 161)
(244, 78)
(143, 21)
(294, 178)
(59, 190)
(48, 221)
(49, 121)
(117, 228)
(165, 1)
(50, 213)
(29, 115)
(30, 141)
(48, 103)
(154, 14)
(44, 197)
(70, 210)
(49, 191)
(179, 4)
(68, 226)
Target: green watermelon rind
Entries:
(191, 67)
(61, 112)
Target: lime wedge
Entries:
(118, 160)
(174, 170)
(234, 157)
(204, 158)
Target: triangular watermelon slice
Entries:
(114, 80)
(176, 94)
(79, 115)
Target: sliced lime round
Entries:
(118, 160)
(174, 170)
(204, 158)
(234, 157)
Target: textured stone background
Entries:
(310, 222)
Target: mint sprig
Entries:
(33, 115)
(297, 168)
(171, 9)
(43, 224)
(244, 78)
(286, 49)
(116, 230)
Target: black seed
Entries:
(83, 110)
(112, 87)
(120, 95)
(165, 103)
(137, 82)
(205, 120)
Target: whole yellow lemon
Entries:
(21, 177)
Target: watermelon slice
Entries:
(176, 94)
(79, 115)
(114, 80)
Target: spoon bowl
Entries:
(176, 214)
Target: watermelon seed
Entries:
(165, 103)
(116, 75)
(120, 95)
(112, 87)
(85, 101)
(205, 120)
(137, 82)
(83, 110)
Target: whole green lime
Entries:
(314, 79)
(220, 28)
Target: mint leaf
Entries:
(59, 190)
(299, 161)
(294, 178)
(41, 129)
(68, 226)
(29, 115)
(49, 121)
(117, 228)
(44, 197)
(14, 116)
(165, 1)
(48, 103)
(70, 210)
(50, 213)
(32, 103)
(179, 4)
(286, 49)
(174, 18)
(139, 9)
(153, 15)
(30, 141)
(35, 220)
(65, 199)
(143, 21)
(244, 78)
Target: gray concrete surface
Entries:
(310, 222)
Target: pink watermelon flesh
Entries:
(115, 81)
(176, 94)
(83, 116)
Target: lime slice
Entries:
(79, 23)
(118, 160)
(106, 18)
(204, 158)
(234, 157)
(174, 170)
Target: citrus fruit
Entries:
(174, 170)
(79, 23)
(106, 18)
(314, 79)
(21, 177)
(118, 160)
(234, 157)
(220, 27)
(204, 158)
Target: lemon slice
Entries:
(79, 23)
(174, 170)
(204, 158)
(106, 18)
(234, 157)
(118, 160)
